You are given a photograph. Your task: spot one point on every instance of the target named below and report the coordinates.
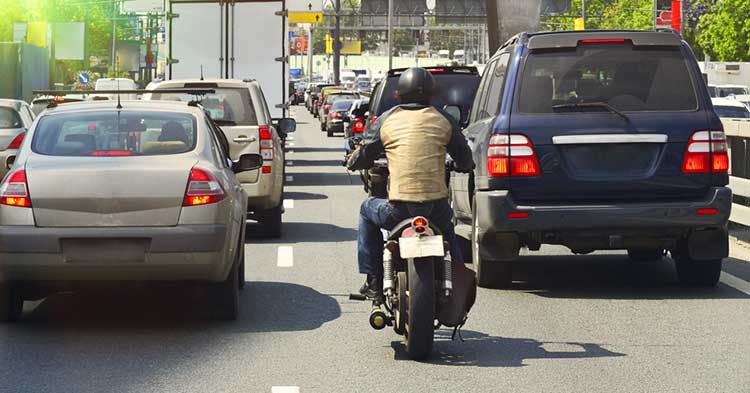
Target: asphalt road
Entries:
(596, 323)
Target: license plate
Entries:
(419, 247)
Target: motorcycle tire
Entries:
(401, 311)
(420, 327)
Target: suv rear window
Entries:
(115, 134)
(450, 89)
(336, 97)
(625, 77)
(227, 106)
(9, 118)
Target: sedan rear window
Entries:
(621, 76)
(227, 106)
(732, 111)
(342, 105)
(9, 118)
(115, 134)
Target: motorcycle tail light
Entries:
(419, 224)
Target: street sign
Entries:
(84, 78)
(305, 17)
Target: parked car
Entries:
(328, 102)
(730, 108)
(335, 118)
(595, 141)
(16, 117)
(242, 113)
(456, 87)
(145, 193)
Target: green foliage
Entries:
(606, 14)
(724, 33)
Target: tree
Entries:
(628, 15)
(725, 32)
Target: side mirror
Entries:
(247, 162)
(454, 111)
(287, 125)
(9, 161)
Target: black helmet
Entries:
(415, 85)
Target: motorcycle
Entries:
(421, 283)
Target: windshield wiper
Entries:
(585, 105)
(225, 122)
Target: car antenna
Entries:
(119, 105)
(201, 71)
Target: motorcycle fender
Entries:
(455, 309)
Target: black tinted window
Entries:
(232, 105)
(9, 118)
(450, 89)
(625, 77)
(342, 105)
(732, 111)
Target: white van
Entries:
(115, 84)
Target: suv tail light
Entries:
(15, 191)
(706, 153)
(16, 142)
(511, 155)
(202, 189)
(358, 126)
(266, 148)
(335, 115)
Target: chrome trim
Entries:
(608, 138)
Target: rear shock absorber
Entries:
(387, 271)
(448, 273)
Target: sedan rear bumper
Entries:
(185, 252)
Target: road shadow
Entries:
(320, 179)
(737, 267)
(264, 307)
(304, 196)
(302, 232)
(308, 163)
(481, 350)
(607, 277)
(316, 150)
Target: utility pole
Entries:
(112, 59)
(390, 34)
(656, 13)
(583, 13)
(337, 44)
(310, 53)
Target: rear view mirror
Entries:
(247, 162)
(454, 111)
(9, 161)
(287, 125)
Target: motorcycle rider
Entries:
(415, 137)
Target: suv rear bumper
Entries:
(585, 228)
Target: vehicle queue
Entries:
(128, 190)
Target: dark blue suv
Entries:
(595, 140)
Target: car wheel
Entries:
(645, 255)
(270, 221)
(698, 273)
(225, 297)
(241, 268)
(11, 304)
(329, 133)
(490, 273)
(323, 126)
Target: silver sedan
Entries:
(145, 193)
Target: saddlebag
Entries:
(455, 309)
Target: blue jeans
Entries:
(377, 213)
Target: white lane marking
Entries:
(735, 282)
(290, 178)
(288, 203)
(285, 256)
(290, 163)
(290, 152)
(284, 389)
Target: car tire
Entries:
(225, 297)
(323, 126)
(241, 267)
(698, 273)
(270, 221)
(490, 273)
(645, 255)
(329, 133)
(11, 304)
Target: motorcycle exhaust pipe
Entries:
(378, 319)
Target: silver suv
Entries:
(240, 109)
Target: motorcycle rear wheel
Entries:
(420, 327)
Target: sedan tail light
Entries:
(326, 108)
(202, 189)
(511, 155)
(706, 153)
(335, 115)
(16, 142)
(15, 191)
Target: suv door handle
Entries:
(244, 139)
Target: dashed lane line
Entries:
(289, 178)
(735, 282)
(285, 256)
(290, 163)
(288, 203)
